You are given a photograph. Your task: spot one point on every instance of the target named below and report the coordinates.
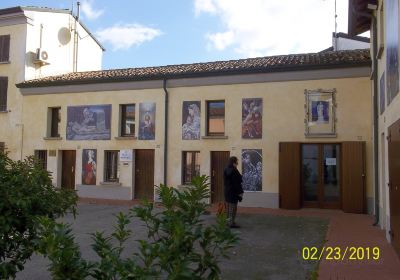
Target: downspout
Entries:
(376, 116)
(165, 131)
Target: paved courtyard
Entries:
(270, 246)
(271, 243)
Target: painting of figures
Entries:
(91, 122)
(252, 118)
(89, 166)
(252, 170)
(147, 118)
(191, 120)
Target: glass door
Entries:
(321, 175)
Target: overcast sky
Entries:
(159, 32)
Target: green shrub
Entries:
(180, 245)
(26, 193)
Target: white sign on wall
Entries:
(330, 161)
(125, 155)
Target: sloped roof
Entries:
(292, 62)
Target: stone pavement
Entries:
(345, 230)
(349, 230)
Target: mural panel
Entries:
(147, 121)
(252, 170)
(91, 122)
(89, 166)
(320, 111)
(191, 120)
(252, 118)
(392, 48)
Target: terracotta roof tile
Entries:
(293, 62)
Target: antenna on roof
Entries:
(75, 58)
(335, 47)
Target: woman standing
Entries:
(233, 190)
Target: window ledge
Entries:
(214, 137)
(116, 184)
(126, 138)
(321, 135)
(52, 138)
(5, 62)
(4, 111)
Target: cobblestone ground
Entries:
(270, 246)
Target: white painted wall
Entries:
(24, 30)
(60, 51)
(349, 44)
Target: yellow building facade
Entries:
(283, 101)
(299, 124)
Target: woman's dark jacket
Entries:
(232, 184)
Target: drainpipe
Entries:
(376, 117)
(375, 106)
(165, 131)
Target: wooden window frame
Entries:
(108, 176)
(5, 48)
(208, 133)
(123, 118)
(3, 93)
(54, 120)
(192, 167)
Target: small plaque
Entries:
(125, 155)
(330, 161)
(52, 153)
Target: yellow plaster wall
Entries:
(283, 120)
(35, 117)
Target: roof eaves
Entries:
(45, 9)
(193, 75)
(12, 10)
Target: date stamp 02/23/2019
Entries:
(348, 253)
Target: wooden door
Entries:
(68, 170)
(289, 175)
(321, 175)
(394, 183)
(144, 174)
(354, 177)
(219, 160)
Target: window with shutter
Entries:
(5, 48)
(3, 93)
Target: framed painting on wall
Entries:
(320, 111)
(191, 120)
(252, 118)
(147, 121)
(89, 166)
(89, 122)
(252, 169)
